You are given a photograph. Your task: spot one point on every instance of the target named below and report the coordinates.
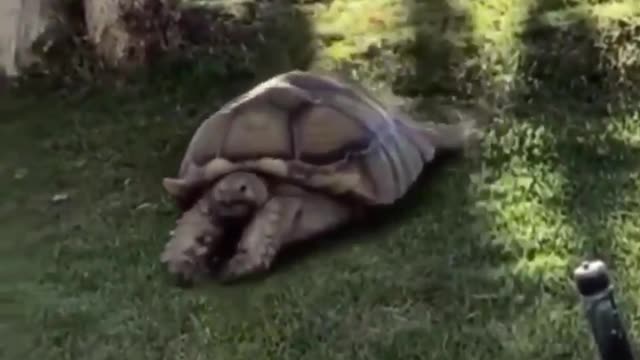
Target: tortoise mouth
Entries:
(224, 250)
(234, 209)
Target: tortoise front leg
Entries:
(193, 239)
(283, 220)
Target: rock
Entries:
(20, 174)
(60, 197)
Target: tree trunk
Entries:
(127, 32)
(21, 24)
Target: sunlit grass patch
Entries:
(522, 201)
(348, 29)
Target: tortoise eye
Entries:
(243, 188)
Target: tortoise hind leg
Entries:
(285, 219)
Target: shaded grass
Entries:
(474, 263)
(99, 290)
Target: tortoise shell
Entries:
(312, 130)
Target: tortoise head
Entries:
(238, 195)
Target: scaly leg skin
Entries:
(283, 220)
(186, 254)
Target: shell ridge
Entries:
(396, 168)
(379, 110)
(355, 91)
(225, 132)
(294, 127)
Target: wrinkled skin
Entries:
(272, 217)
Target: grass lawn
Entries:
(475, 265)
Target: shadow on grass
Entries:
(439, 52)
(571, 90)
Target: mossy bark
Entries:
(127, 33)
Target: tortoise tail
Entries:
(431, 138)
(454, 135)
(462, 129)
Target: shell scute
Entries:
(261, 131)
(323, 135)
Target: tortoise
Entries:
(294, 157)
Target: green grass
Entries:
(476, 264)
